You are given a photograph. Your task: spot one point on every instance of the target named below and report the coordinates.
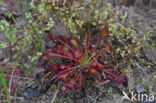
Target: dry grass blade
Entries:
(9, 89)
(55, 95)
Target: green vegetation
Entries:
(94, 34)
(150, 2)
(3, 84)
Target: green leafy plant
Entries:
(148, 38)
(3, 45)
(3, 84)
(32, 32)
(5, 27)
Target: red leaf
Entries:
(93, 71)
(69, 87)
(49, 37)
(19, 73)
(69, 54)
(62, 66)
(78, 54)
(54, 67)
(63, 76)
(120, 79)
(93, 64)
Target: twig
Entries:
(55, 95)
(4, 62)
(19, 98)
(17, 76)
(91, 99)
(141, 69)
(13, 97)
(9, 89)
